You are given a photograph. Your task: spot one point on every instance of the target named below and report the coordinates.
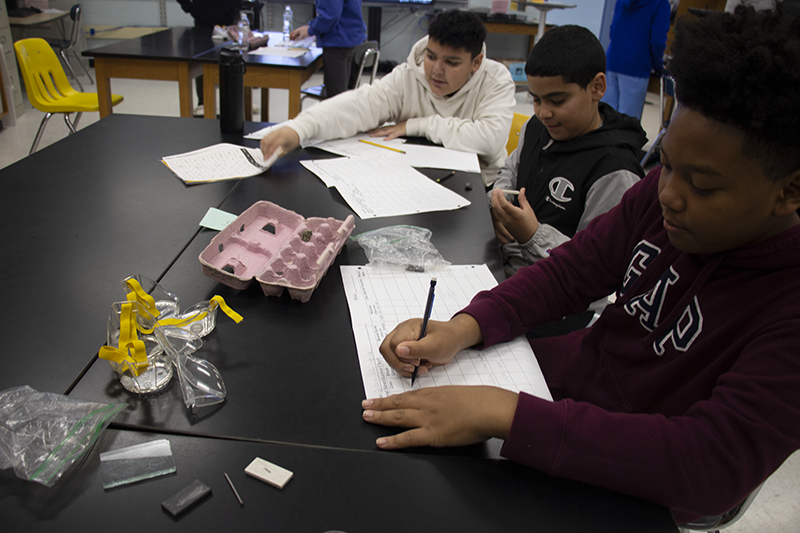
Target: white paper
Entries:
(354, 147)
(377, 187)
(219, 162)
(437, 157)
(260, 134)
(278, 51)
(308, 42)
(415, 155)
(379, 299)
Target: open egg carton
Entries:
(278, 248)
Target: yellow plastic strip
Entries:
(180, 322)
(216, 301)
(131, 350)
(233, 315)
(142, 297)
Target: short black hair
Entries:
(458, 29)
(572, 52)
(743, 69)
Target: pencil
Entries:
(235, 493)
(449, 174)
(382, 146)
(428, 309)
(507, 191)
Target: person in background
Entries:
(686, 391)
(207, 14)
(638, 39)
(446, 91)
(338, 28)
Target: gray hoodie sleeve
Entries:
(507, 177)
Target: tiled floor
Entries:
(777, 507)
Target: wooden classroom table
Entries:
(514, 28)
(22, 23)
(266, 72)
(165, 55)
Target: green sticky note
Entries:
(217, 219)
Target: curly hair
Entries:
(572, 52)
(458, 29)
(743, 69)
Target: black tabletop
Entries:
(78, 217)
(353, 492)
(300, 62)
(179, 43)
(288, 357)
(86, 212)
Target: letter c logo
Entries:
(559, 188)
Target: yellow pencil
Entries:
(382, 146)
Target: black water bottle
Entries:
(231, 91)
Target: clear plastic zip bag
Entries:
(408, 247)
(42, 433)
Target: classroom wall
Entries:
(401, 26)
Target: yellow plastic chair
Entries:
(513, 134)
(47, 86)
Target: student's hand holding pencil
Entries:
(442, 341)
(520, 222)
(284, 138)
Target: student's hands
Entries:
(500, 231)
(443, 416)
(389, 132)
(284, 138)
(299, 34)
(442, 341)
(519, 222)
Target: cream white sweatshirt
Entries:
(477, 118)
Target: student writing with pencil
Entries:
(686, 391)
(447, 91)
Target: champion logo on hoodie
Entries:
(559, 188)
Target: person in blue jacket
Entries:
(339, 28)
(638, 39)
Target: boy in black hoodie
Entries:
(576, 156)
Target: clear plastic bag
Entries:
(42, 434)
(408, 247)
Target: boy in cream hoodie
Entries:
(447, 91)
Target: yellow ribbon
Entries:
(233, 315)
(138, 294)
(131, 351)
(216, 301)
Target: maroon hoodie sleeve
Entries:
(698, 454)
(578, 272)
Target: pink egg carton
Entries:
(278, 248)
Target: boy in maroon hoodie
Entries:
(686, 392)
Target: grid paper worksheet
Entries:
(373, 187)
(379, 299)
